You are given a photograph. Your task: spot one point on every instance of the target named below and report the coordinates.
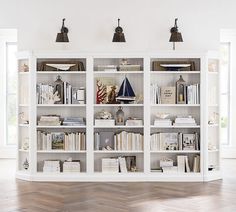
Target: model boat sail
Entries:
(126, 93)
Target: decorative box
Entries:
(104, 122)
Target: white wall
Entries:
(230, 36)
(91, 23)
(5, 36)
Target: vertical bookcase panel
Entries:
(213, 167)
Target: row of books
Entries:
(128, 141)
(123, 141)
(55, 166)
(55, 120)
(179, 121)
(167, 95)
(61, 141)
(111, 122)
(183, 165)
(122, 164)
(174, 141)
(70, 95)
(193, 94)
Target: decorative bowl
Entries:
(63, 67)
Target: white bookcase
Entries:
(213, 168)
(90, 159)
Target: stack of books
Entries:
(44, 93)
(75, 141)
(183, 163)
(167, 95)
(129, 67)
(106, 67)
(49, 120)
(71, 95)
(162, 122)
(155, 94)
(71, 166)
(184, 121)
(134, 122)
(51, 166)
(193, 94)
(164, 141)
(105, 122)
(174, 141)
(128, 141)
(61, 141)
(74, 121)
(110, 165)
(121, 164)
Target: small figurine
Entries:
(124, 61)
(26, 164)
(25, 145)
(162, 115)
(213, 118)
(51, 98)
(23, 119)
(58, 91)
(24, 68)
(103, 115)
(111, 97)
(101, 92)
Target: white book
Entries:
(49, 141)
(181, 163)
(170, 169)
(187, 164)
(123, 166)
(196, 164)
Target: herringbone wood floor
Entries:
(16, 195)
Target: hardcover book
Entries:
(189, 141)
(168, 95)
(58, 140)
(106, 140)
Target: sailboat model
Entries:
(126, 93)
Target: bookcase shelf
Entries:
(116, 152)
(23, 105)
(24, 73)
(61, 105)
(175, 105)
(60, 151)
(176, 127)
(118, 127)
(176, 151)
(61, 127)
(23, 125)
(117, 105)
(118, 72)
(175, 72)
(141, 80)
(61, 72)
(23, 150)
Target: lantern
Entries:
(59, 88)
(120, 120)
(181, 91)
